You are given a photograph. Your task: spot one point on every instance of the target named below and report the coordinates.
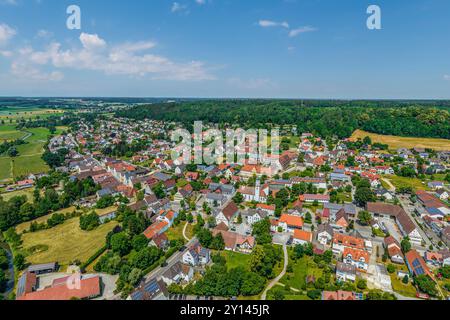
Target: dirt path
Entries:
(184, 232)
(389, 183)
(278, 278)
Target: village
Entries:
(338, 203)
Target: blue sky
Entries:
(226, 48)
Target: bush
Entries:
(314, 294)
(391, 268)
(89, 221)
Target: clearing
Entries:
(396, 142)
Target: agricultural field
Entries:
(12, 114)
(29, 159)
(64, 243)
(396, 142)
(5, 168)
(27, 192)
(9, 132)
(26, 225)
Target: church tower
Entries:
(257, 190)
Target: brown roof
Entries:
(383, 208)
(230, 210)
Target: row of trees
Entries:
(324, 118)
(18, 209)
(128, 252)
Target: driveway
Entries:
(281, 275)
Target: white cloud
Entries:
(200, 2)
(44, 33)
(6, 53)
(10, 2)
(6, 33)
(298, 31)
(131, 58)
(447, 77)
(179, 8)
(92, 41)
(270, 23)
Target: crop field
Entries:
(396, 142)
(64, 243)
(9, 132)
(29, 159)
(5, 168)
(12, 114)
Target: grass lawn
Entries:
(175, 232)
(5, 168)
(190, 231)
(407, 290)
(25, 165)
(396, 142)
(302, 268)
(345, 196)
(236, 259)
(64, 243)
(26, 192)
(414, 183)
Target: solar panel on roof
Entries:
(420, 271)
(416, 263)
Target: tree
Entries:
(120, 243)
(361, 284)
(314, 294)
(405, 279)
(19, 262)
(426, 285)
(105, 202)
(218, 243)
(89, 221)
(367, 140)
(261, 232)
(238, 198)
(135, 276)
(252, 284)
(406, 245)
(364, 217)
(139, 242)
(391, 268)
(364, 195)
(278, 294)
(12, 152)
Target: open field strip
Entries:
(396, 142)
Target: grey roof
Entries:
(161, 176)
(104, 192)
(215, 197)
(345, 268)
(44, 266)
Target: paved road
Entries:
(281, 275)
(405, 206)
(158, 272)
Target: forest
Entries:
(326, 118)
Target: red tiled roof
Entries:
(293, 221)
(303, 235)
(89, 288)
